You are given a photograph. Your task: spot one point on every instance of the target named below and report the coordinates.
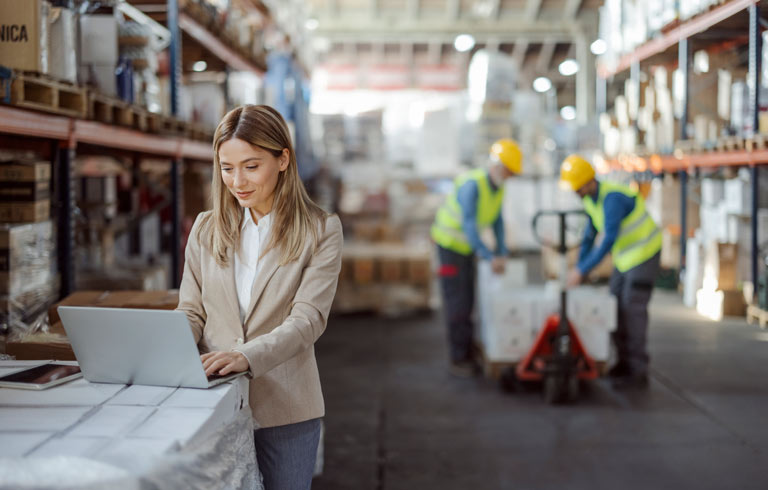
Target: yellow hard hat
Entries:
(508, 153)
(576, 172)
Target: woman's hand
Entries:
(223, 363)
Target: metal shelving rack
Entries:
(59, 136)
(63, 134)
(684, 162)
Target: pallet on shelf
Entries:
(730, 143)
(110, 110)
(44, 93)
(756, 315)
(757, 142)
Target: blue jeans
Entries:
(287, 453)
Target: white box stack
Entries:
(512, 314)
(505, 310)
(737, 197)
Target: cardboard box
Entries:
(144, 278)
(28, 212)
(24, 35)
(25, 171)
(507, 327)
(670, 250)
(152, 300)
(551, 263)
(733, 303)
(25, 191)
(56, 350)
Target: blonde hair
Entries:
(294, 216)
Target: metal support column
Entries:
(601, 95)
(755, 54)
(585, 80)
(176, 164)
(65, 215)
(684, 62)
(175, 54)
(176, 223)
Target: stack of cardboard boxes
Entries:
(719, 255)
(27, 245)
(390, 279)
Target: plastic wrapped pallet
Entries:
(62, 63)
(694, 271)
(737, 196)
(27, 256)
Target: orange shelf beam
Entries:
(671, 163)
(693, 26)
(28, 123)
(215, 46)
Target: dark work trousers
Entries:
(633, 291)
(286, 454)
(457, 281)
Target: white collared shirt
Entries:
(247, 264)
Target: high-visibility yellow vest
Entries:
(639, 238)
(446, 230)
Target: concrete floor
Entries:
(396, 419)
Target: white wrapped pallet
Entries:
(694, 271)
(737, 197)
(712, 192)
(512, 317)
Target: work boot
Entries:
(618, 370)
(630, 382)
(463, 369)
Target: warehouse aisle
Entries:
(396, 420)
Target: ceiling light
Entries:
(568, 113)
(542, 84)
(311, 24)
(568, 67)
(464, 42)
(598, 47)
(200, 66)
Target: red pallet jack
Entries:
(558, 358)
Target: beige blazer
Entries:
(287, 314)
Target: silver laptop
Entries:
(131, 346)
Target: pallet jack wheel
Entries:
(508, 381)
(560, 388)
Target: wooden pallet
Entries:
(730, 143)
(110, 110)
(494, 369)
(757, 142)
(154, 122)
(43, 93)
(756, 315)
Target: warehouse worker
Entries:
(634, 241)
(474, 202)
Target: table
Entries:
(90, 435)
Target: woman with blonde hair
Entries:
(260, 275)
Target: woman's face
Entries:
(250, 173)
